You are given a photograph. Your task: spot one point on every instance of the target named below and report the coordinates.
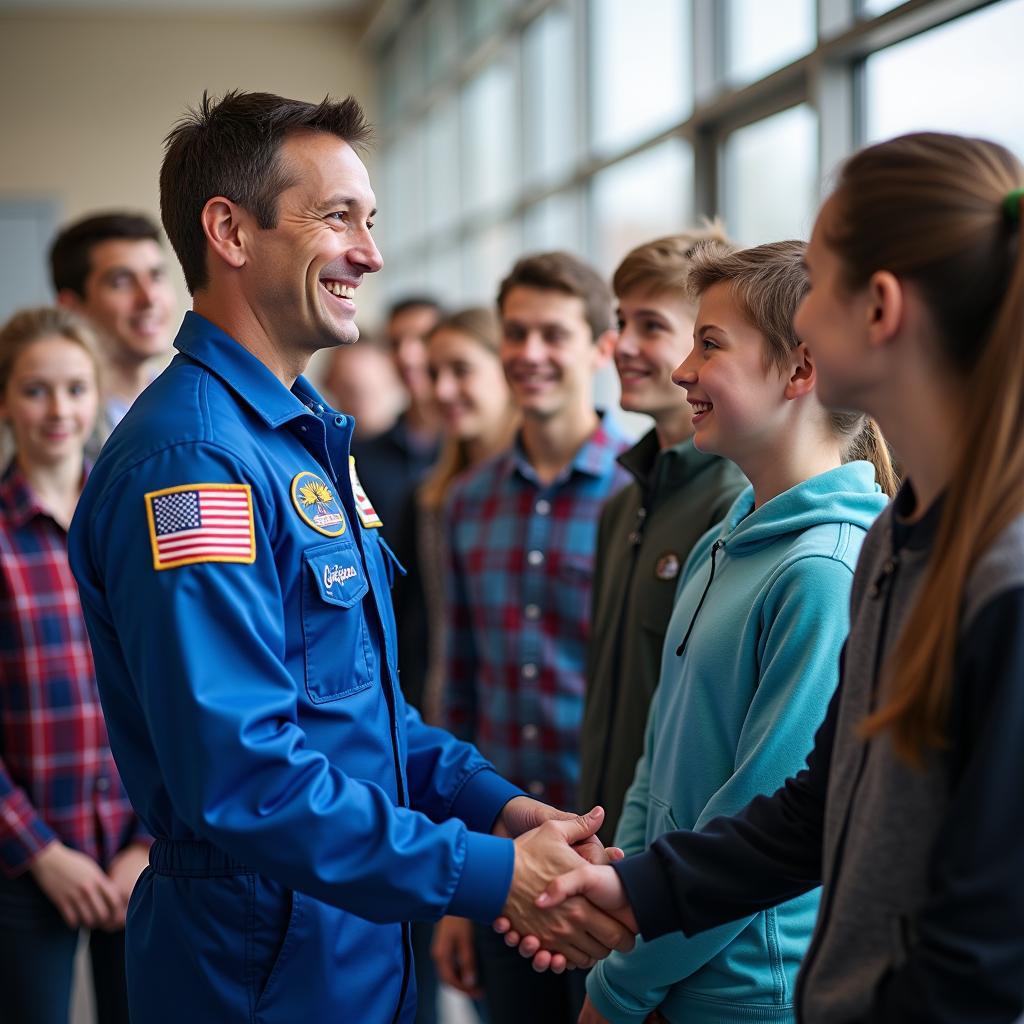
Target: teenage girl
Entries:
(909, 810)
(71, 848)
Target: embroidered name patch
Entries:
(316, 504)
(201, 523)
(364, 507)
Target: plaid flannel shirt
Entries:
(520, 566)
(57, 775)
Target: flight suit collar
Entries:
(250, 379)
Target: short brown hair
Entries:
(231, 148)
(768, 283)
(565, 273)
(664, 264)
(71, 251)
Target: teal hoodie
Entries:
(733, 717)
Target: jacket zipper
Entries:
(715, 548)
(883, 583)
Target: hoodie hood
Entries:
(847, 494)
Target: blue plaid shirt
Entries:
(520, 567)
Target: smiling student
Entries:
(749, 661)
(71, 847)
(908, 811)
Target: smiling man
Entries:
(111, 268)
(236, 591)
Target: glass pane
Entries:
(478, 18)
(966, 76)
(442, 144)
(644, 197)
(771, 177)
(642, 63)
(488, 257)
(489, 134)
(405, 196)
(553, 223)
(442, 39)
(872, 8)
(444, 275)
(548, 100)
(762, 37)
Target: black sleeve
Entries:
(767, 853)
(965, 953)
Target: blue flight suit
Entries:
(252, 702)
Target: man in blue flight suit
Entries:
(235, 587)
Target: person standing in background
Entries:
(392, 464)
(111, 268)
(648, 528)
(362, 380)
(71, 847)
(521, 532)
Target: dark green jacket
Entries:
(644, 538)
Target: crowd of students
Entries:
(798, 702)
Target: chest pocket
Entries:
(340, 659)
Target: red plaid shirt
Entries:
(57, 775)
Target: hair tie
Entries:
(1011, 204)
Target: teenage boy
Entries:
(111, 268)
(521, 534)
(647, 530)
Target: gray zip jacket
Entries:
(922, 909)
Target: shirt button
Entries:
(529, 670)
(303, 428)
(532, 611)
(102, 784)
(543, 507)
(339, 421)
(530, 732)
(319, 408)
(535, 557)
(536, 788)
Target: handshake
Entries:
(565, 908)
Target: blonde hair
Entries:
(664, 264)
(481, 325)
(768, 284)
(929, 208)
(30, 325)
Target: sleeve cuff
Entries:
(486, 876)
(481, 799)
(607, 1005)
(25, 839)
(650, 896)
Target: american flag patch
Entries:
(201, 523)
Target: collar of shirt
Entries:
(595, 458)
(246, 375)
(653, 466)
(18, 502)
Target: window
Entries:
(553, 223)
(965, 77)
(639, 199)
(640, 74)
(771, 177)
(762, 37)
(549, 125)
(489, 134)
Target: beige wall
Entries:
(85, 101)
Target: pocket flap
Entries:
(339, 576)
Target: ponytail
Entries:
(930, 209)
(864, 441)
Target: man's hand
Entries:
(77, 887)
(580, 932)
(454, 955)
(124, 872)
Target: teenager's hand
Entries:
(124, 872)
(579, 931)
(77, 887)
(454, 955)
